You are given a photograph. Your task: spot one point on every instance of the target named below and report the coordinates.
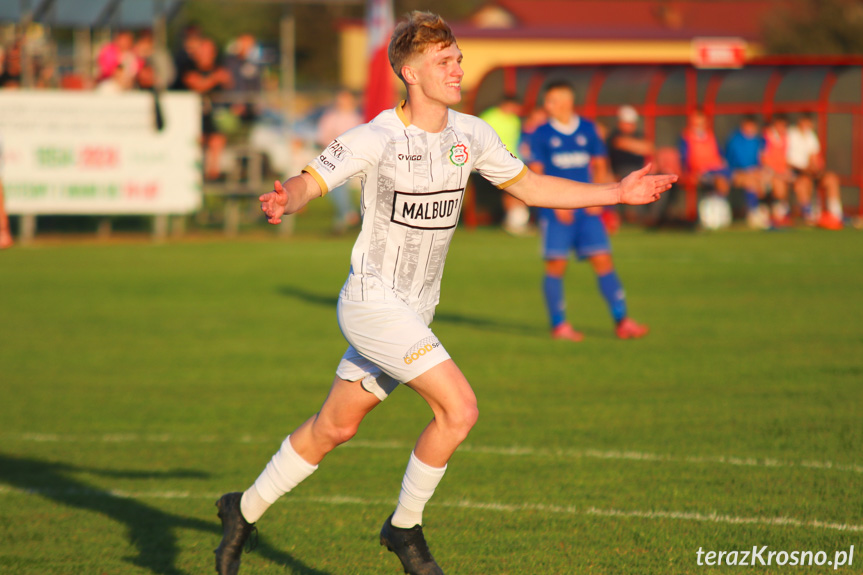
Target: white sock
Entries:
(284, 472)
(418, 487)
(252, 505)
(834, 206)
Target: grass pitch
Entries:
(139, 382)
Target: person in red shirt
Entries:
(775, 162)
(699, 154)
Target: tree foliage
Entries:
(816, 27)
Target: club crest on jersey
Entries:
(432, 211)
(458, 154)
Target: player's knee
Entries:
(460, 421)
(336, 434)
(555, 268)
(830, 181)
(602, 264)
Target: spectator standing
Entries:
(209, 77)
(155, 66)
(118, 54)
(184, 57)
(628, 149)
(340, 117)
(244, 64)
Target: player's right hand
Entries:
(273, 203)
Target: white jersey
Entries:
(801, 147)
(413, 185)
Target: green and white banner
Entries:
(90, 153)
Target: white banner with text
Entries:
(100, 154)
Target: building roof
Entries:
(88, 13)
(615, 19)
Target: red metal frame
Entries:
(767, 107)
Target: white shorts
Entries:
(389, 344)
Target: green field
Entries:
(141, 381)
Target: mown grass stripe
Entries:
(510, 451)
(474, 505)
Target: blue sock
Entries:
(751, 200)
(552, 288)
(612, 291)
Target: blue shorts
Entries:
(586, 236)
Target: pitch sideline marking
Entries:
(513, 451)
(478, 506)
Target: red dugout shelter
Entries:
(663, 94)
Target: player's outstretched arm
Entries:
(551, 192)
(290, 197)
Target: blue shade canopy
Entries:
(88, 13)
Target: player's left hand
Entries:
(639, 188)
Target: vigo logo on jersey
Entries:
(432, 211)
(569, 160)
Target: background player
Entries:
(568, 146)
(414, 162)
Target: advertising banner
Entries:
(100, 154)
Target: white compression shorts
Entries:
(389, 344)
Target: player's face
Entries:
(559, 104)
(440, 74)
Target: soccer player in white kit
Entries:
(413, 162)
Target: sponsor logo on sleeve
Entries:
(338, 150)
(458, 154)
(433, 211)
(419, 349)
(334, 154)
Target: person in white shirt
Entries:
(807, 163)
(413, 162)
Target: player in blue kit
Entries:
(568, 146)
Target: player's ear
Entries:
(409, 74)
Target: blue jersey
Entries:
(744, 152)
(567, 155)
